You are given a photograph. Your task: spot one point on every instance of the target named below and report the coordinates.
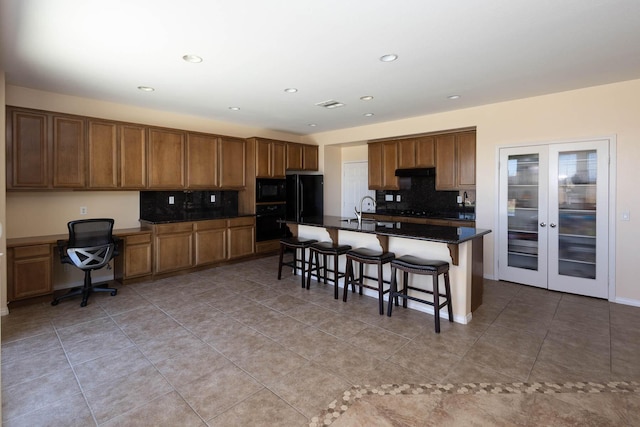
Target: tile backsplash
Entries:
(155, 205)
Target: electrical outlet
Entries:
(459, 199)
(83, 210)
(213, 198)
(388, 197)
(172, 200)
(398, 198)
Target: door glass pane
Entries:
(577, 181)
(522, 211)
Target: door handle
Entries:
(543, 224)
(552, 225)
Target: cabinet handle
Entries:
(543, 224)
(552, 225)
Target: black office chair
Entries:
(91, 246)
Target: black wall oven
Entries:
(271, 190)
(268, 226)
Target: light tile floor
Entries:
(233, 345)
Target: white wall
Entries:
(591, 112)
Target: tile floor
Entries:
(234, 346)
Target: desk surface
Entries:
(53, 238)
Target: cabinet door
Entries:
(202, 161)
(425, 152)
(310, 157)
(133, 157)
(29, 271)
(375, 166)
(241, 241)
(445, 162)
(406, 153)
(211, 246)
(263, 159)
(294, 156)
(68, 152)
(173, 251)
(166, 158)
(138, 260)
(389, 165)
(278, 159)
(102, 146)
(27, 150)
(232, 162)
(466, 160)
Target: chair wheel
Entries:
(83, 304)
(55, 302)
(114, 293)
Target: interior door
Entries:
(554, 216)
(579, 218)
(523, 210)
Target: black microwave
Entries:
(271, 190)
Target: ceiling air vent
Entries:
(330, 104)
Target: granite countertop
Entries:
(452, 215)
(184, 217)
(433, 233)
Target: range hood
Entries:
(416, 172)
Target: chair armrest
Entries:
(62, 248)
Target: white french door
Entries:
(553, 219)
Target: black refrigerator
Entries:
(304, 197)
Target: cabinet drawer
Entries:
(31, 251)
(137, 239)
(210, 225)
(237, 222)
(178, 227)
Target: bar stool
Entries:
(326, 249)
(411, 264)
(366, 256)
(294, 243)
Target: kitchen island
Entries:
(460, 246)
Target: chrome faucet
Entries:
(359, 214)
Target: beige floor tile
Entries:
(187, 367)
(30, 345)
(307, 342)
(111, 399)
(270, 362)
(32, 366)
(510, 363)
(112, 365)
(378, 342)
(212, 394)
(523, 342)
(467, 371)
(69, 412)
(569, 356)
(348, 362)
(96, 346)
(262, 409)
(168, 410)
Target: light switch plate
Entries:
(398, 198)
(172, 200)
(213, 198)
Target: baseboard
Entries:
(4, 311)
(627, 301)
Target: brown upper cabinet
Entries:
(202, 161)
(383, 162)
(456, 161)
(416, 153)
(133, 156)
(270, 158)
(102, 145)
(232, 154)
(68, 152)
(302, 157)
(166, 158)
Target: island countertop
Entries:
(432, 233)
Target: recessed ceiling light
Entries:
(368, 114)
(192, 58)
(453, 96)
(291, 90)
(366, 98)
(146, 88)
(313, 125)
(330, 104)
(234, 108)
(389, 57)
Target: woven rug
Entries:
(573, 403)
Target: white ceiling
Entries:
(485, 51)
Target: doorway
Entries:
(355, 185)
(554, 219)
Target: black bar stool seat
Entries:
(326, 249)
(294, 243)
(412, 264)
(367, 256)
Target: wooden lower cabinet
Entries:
(173, 247)
(242, 235)
(29, 271)
(210, 241)
(135, 259)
